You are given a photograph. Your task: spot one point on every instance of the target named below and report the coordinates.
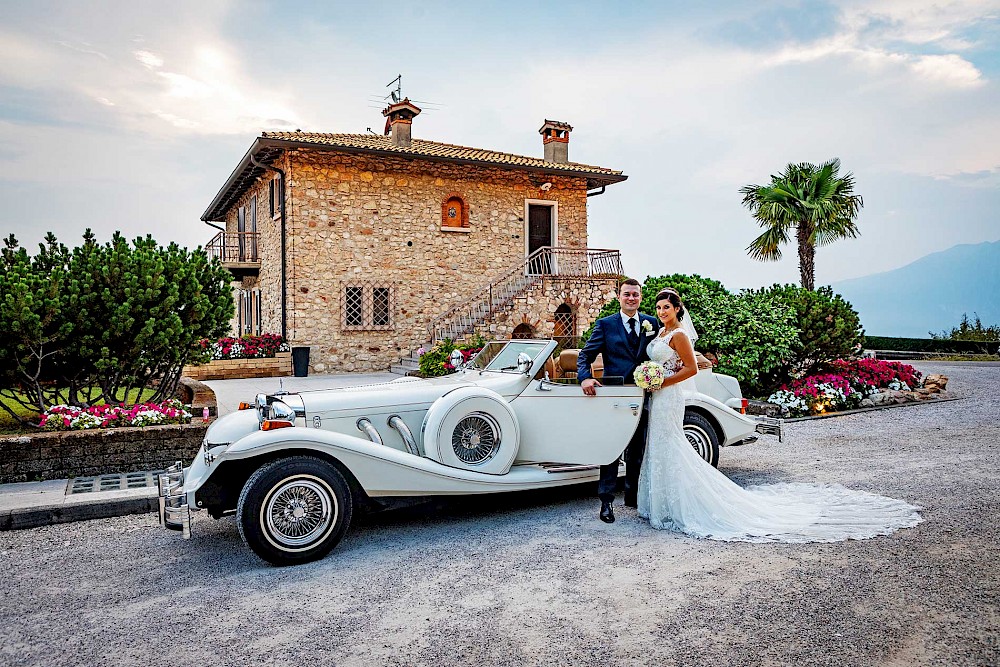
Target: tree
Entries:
(969, 330)
(101, 322)
(816, 201)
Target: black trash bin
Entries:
(300, 361)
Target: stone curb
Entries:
(874, 407)
(47, 515)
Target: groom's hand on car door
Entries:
(590, 386)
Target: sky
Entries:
(131, 115)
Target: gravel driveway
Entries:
(535, 578)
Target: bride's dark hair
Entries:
(674, 298)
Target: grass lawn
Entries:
(10, 426)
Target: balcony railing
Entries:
(546, 262)
(238, 251)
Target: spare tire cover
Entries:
(471, 428)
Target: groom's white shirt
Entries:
(625, 319)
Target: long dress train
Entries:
(678, 490)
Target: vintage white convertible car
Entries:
(294, 467)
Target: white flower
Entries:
(646, 326)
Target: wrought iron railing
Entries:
(546, 262)
(234, 247)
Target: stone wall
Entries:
(357, 219)
(537, 307)
(69, 454)
(279, 365)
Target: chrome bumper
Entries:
(174, 511)
(770, 426)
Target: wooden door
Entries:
(539, 236)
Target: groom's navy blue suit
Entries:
(621, 357)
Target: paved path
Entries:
(535, 578)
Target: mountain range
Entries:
(929, 294)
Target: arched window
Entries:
(564, 325)
(454, 212)
(522, 331)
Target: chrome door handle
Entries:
(634, 407)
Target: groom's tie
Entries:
(633, 335)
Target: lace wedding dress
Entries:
(679, 491)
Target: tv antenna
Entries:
(397, 94)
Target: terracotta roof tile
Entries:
(269, 143)
(433, 149)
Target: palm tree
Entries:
(816, 200)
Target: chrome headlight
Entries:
(282, 411)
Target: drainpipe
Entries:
(212, 224)
(281, 199)
(597, 192)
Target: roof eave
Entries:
(594, 180)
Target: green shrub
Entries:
(435, 361)
(929, 345)
(694, 289)
(697, 292)
(752, 335)
(101, 321)
(829, 327)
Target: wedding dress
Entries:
(678, 490)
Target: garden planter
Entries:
(280, 365)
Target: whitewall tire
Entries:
(471, 428)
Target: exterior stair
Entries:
(498, 296)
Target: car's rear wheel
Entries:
(702, 436)
(294, 510)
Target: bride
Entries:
(679, 491)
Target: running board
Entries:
(564, 467)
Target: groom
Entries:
(621, 339)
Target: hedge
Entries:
(930, 345)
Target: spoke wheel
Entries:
(294, 510)
(299, 511)
(476, 438)
(702, 436)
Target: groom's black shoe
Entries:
(607, 512)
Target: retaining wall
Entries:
(68, 454)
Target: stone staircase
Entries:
(499, 295)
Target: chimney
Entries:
(398, 119)
(555, 140)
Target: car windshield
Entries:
(502, 355)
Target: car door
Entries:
(560, 425)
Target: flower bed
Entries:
(844, 386)
(71, 418)
(435, 362)
(245, 347)
(261, 356)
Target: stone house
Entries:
(365, 247)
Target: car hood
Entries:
(405, 392)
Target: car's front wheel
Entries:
(702, 436)
(294, 510)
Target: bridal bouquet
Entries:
(650, 375)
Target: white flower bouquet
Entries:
(650, 375)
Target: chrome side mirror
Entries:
(457, 359)
(523, 363)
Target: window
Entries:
(454, 213)
(380, 306)
(564, 326)
(367, 306)
(522, 331)
(248, 313)
(274, 197)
